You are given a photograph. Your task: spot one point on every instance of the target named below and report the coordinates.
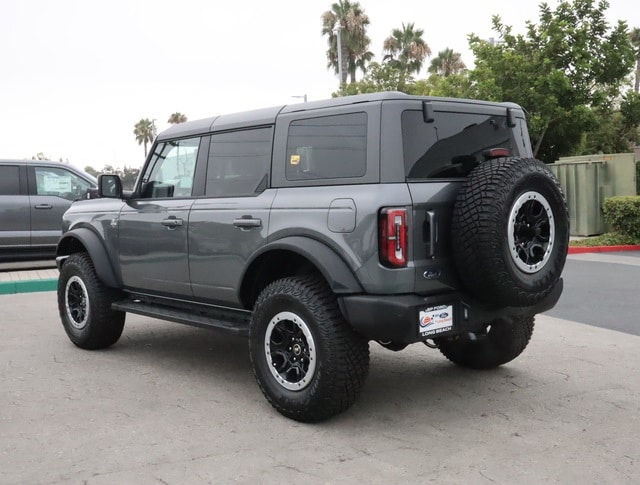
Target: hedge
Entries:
(623, 213)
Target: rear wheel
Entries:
(500, 342)
(308, 362)
(84, 304)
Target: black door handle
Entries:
(247, 222)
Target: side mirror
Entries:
(109, 186)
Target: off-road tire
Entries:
(84, 304)
(504, 340)
(510, 232)
(300, 316)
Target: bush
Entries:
(623, 213)
(606, 239)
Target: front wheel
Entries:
(500, 342)
(84, 304)
(308, 362)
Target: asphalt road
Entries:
(602, 290)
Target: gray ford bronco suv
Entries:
(316, 228)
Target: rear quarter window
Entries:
(327, 147)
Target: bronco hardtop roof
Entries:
(267, 116)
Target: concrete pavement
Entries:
(170, 404)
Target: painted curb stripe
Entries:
(601, 249)
(29, 286)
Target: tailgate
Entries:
(431, 239)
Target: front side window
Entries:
(453, 144)
(171, 171)
(239, 162)
(60, 182)
(328, 147)
(9, 180)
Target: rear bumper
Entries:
(405, 318)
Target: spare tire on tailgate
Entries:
(510, 231)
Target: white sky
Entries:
(75, 76)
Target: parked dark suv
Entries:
(34, 194)
(316, 228)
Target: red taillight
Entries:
(394, 242)
(496, 153)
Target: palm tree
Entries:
(350, 20)
(145, 131)
(446, 63)
(406, 50)
(634, 36)
(176, 118)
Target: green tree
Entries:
(129, 176)
(406, 50)
(452, 86)
(565, 68)
(446, 63)
(616, 130)
(379, 77)
(144, 130)
(634, 37)
(40, 156)
(350, 20)
(176, 118)
(91, 171)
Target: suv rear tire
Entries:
(510, 232)
(84, 304)
(308, 362)
(502, 341)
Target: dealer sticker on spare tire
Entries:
(435, 320)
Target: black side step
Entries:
(227, 320)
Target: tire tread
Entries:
(342, 376)
(106, 325)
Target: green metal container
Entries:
(587, 180)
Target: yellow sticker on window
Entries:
(295, 159)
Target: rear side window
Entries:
(9, 180)
(453, 144)
(328, 147)
(239, 162)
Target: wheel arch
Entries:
(295, 255)
(83, 239)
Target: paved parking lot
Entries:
(170, 404)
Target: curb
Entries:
(29, 286)
(601, 249)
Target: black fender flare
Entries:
(97, 252)
(335, 270)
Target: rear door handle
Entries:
(247, 222)
(172, 222)
(44, 206)
(433, 233)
